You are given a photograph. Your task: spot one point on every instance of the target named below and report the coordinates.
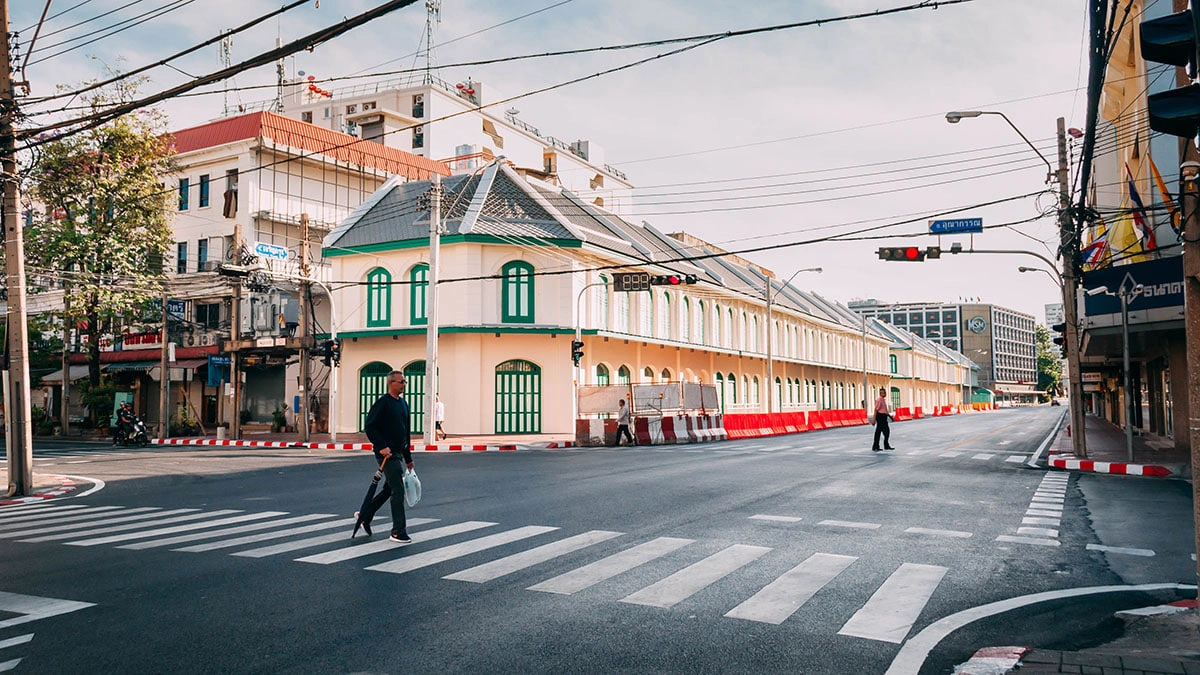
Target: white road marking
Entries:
(534, 556)
(983, 455)
(696, 577)
(310, 542)
(1016, 458)
(1028, 540)
(1037, 532)
(9, 665)
(1048, 500)
(41, 512)
(79, 461)
(358, 550)
(133, 526)
(33, 608)
(267, 536)
(938, 533)
(1041, 521)
(780, 519)
(409, 563)
(54, 517)
(606, 568)
(1144, 552)
(781, 598)
(895, 606)
(91, 517)
(109, 519)
(1043, 513)
(846, 523)
(126, 536)
(19, 640)
(950, 454)
(213, 534)
(26, 507)
(915, 452)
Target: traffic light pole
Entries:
(1189, 175)
(579, 338)
(431, 314)
(306, 313)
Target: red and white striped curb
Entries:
(992, 661)
(326, 446)
(65, 485)
(1110, 467)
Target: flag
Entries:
(1126, 239)
(1145, 233)
(1096, 253)
(1166, 196)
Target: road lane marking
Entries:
(1144, 552)
(409, 563)
(19, 640)
(895, 606)
(1043, 512)
(113, 538)
(780, 519)
(534, 556)
(606, 568)
(34, 608)
(846, 523)
(310, 542)
(950, 454)
(938, 533)
(133, 526)
(254, 538)
(213, 534)
(696, 577)
(1041, 521)
(55, 518)
(781, 598)
(77, 520)
(1028, 540)
(43, 513)
(983, 455)
(1037, 532)
(358, 550)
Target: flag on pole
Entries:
(1166, 196)
(1126, 239)
(1145, 233)
(1096, 254)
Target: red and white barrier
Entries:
(1121, 468)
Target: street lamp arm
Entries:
(1023, 137)
(1039, 256)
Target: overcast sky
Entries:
(759, 141)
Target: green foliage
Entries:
(279, 417)
(99, 401)
(183, 424)
(1049, 365)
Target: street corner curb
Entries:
(1119, 468)
(65, 486)
(992, 661)
(1177, 607)
(464, 448)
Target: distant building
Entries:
(1054, 314)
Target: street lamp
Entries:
(1054, 275)
(1126, 294)
(955, 115)
(770, 334)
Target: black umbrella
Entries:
(366, 505)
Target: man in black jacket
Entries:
(388, 430)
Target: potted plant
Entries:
(279, 418)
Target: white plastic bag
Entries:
(412, 487)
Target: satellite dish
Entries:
(513, 111)
(300, 73)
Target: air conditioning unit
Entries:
(204, 340)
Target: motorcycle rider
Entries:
(125, 420)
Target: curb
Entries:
(326, 446)
(1120, 468)
(992, 661)
(65, 485)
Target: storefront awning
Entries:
(77, 373)
(130, 367)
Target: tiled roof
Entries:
(308, 137)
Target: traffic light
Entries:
(1060, 340)
(910, 253)
(1172, 40)
(331, 352)
(576, 351)
(673, 279)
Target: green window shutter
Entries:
(379, 298)
(372, 383)
(517, 293)
(418, 296)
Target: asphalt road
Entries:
(804, 553)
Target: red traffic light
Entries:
(673, 280)
(912, 253)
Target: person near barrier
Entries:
(623, 423)
(883, 413)
(388, 430)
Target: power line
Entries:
(153, 14)
(57, 14)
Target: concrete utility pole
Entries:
(1069, 251)
(65, 403)
(1189, 175)
(235, 334)
(19, 446)
(164, 375)
(431, 307)
(305, 319)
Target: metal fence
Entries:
(648, 399)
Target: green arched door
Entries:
(414, 393)
(372, 383)
(518, 398)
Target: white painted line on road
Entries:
(9, 665)
(1043, 512)
(780, 519)
(938, 533)
(1051, 490)
(1016, 459)
(133, 526)
(27, 507)
(846, 523)
(358, 550)
(267, 536)
(213, 534)
(1144, 552)
(33, 608)
(950, 454)
(1047, 500)
(696, 577)
(1037, 532)
(1041, 521)
(175, 528)
(110, 519)
(983, 455)
(79, 461)
(42, 513)
(915, 452)
(781, 598)
(91, 517)
(1028, 540)
(13, 642)
(534, 556)
(606, 568)
(53, 516)
(895, 606)
(409, 563)
(310, 542)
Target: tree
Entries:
(1049, 363)
(99, 219)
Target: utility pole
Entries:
(19, 447)
(64, 414)
(164, 375)
(305, 318)
(235, 334)
(1069, 251)
(1189, 177)
(431, 307)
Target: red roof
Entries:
(311, 138)
(148, 354)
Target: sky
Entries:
(763, 142)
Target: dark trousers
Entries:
(882, 427)
(393, 472)
(624, 429)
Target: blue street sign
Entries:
(271, 251)
(957, 226)
(217, 360)
(176, 307)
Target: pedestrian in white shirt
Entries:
(439, 416)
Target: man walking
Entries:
(882, 413)
(439, 416)
(388, 430)
(623, 423)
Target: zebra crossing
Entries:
(17, 610)
(678, 570)
(990, 456)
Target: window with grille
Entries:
(517, 293)
(418, 295)
(379, 298)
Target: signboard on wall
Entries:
(1161, 280)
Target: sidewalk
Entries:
(1107, 452)
(45, 486)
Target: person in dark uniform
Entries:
(388, 430)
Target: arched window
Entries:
(754, 335)
(892, 363)
(729, 328)
(755, 391)
(746, 389)
(418, 294)
(895, 398)
(717, 326)
(779, 391)
(372, 383)
(517, 293)
(664, 318)
(621, 313)
(623, 375)
(602, 303)
(648, 374)
(601, 375)
(665, 375)
(685, 327)
(646, 314)
(745, 331)
(731, 382)
(379, 298)
(721, 391)
(701, 338)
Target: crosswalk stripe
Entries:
(696, 577)
(950, 454)
(939, 533)
(133, 526)
(213, 534)
(1036, 541)
(778, 519)
(781, 598)
(19, 640)
(266, 536)
(846, 523)
(112, 539)
(120, 517)
(79, 518)
(1037, 532)
(1041, 521)
(1144, 552)
(895, 606)
(9, 665)
(358, 550)
(43, 512)
(1016, 458)
(519, 561)
(1043, 512)
(10, 523)
(983, 455)
(1042, 492)
(606, 568)
(409, 563)
(46, 505)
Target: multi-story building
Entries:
(1000, 340)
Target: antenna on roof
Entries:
(226, 56)
(433, 15)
